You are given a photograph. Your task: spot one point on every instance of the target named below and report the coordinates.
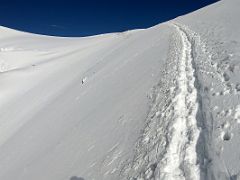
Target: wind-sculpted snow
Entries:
(73, 108)
(156, 104)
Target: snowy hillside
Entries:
(156, 104)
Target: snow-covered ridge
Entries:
(159, 103)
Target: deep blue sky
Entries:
(90, 17)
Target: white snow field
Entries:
(156, 104)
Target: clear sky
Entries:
(90, 17)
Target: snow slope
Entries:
(159, 103)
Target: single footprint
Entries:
(226, 136)
(226, 77)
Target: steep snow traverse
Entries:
(161, 103)
(167, 148)
(180, 159)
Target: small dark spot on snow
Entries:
(153, 166)
(84, 80)
(231, 68)
(238, 87)
(227, 136)
(235, 177)
(226, 77)
(76, 178)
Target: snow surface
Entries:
(153, 104)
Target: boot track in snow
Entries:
(167, 147)
(181, 157)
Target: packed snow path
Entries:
(167, 148)
(181, 157)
